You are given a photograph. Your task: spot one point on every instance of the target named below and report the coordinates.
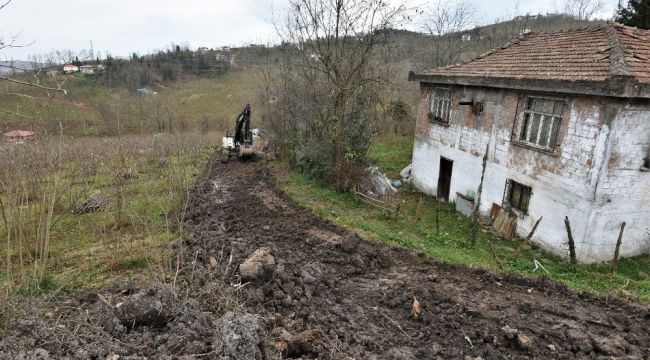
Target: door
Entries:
(444, 178)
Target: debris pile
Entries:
(405, 174)
(95, 203)
(376, 184)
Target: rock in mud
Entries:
(260, 266)
(239, 336)
(510, 333)
(153, 307)
(612, 345)
(579, 340)
(524, 341)
(299, 344)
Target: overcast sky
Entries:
(121, 27)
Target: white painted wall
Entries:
(623, 193)
(570, 183)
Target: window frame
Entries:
(551, 120)
(434, 116)
(524, 189)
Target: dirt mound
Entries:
(150, 323)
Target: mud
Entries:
(311, 290)
(359, 294)
(129, 324)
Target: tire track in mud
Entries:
(358, 294)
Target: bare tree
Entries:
(444, 20)
(333, 44)
(583, 9)
(12, 42)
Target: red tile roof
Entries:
(596, 54)
(19, 133)
(636, 46)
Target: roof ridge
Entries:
(516, 39)
(618, 66)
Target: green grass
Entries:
(418, 231)
(89, 251)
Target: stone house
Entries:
(565, 120)
(87, 69)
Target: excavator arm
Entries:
(243, 134)
(241, 142)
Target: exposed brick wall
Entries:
(596, 158)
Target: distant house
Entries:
(70, 68)
(564, 122)
(87, 69)
(18, 136)
(203, 50)
(467, 37)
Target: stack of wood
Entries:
(504, 221)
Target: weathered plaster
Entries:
(593, 176)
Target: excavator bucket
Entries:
(246, 152)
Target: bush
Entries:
(315, 157)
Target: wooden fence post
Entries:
(418, 210)
(572, 245)
(530, 236)
(475, 213)
(618, 248)
(437, 217)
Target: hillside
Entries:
(94, 109)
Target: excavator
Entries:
(240, 143)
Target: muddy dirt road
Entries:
(359, 295)
(261, 278)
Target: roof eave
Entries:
(617, 86)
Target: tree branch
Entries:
(34, 85)
(17, 115)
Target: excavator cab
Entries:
(240, 143)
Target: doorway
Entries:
(444, 178)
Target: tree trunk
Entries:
(339, 111)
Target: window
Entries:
(518, 195)
(541, 122)
(440, 105)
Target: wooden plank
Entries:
(509, 228)
(494, 211)
(500, 220)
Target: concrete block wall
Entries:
(563, 183)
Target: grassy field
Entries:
(47, 244)
(91, 108)
(415, 227)
(44, 244)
